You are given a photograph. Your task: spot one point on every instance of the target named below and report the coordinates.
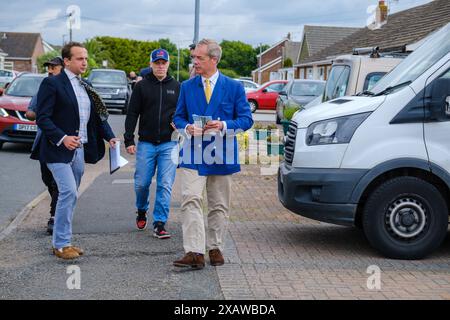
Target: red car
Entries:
(266, 96)
(14, 101)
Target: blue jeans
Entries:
(67, 177)
(149, 157)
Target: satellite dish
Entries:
(73, 17)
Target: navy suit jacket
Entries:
(57, 115)
(228, 103)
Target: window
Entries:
(108, 77)
(372, 79)
(337, 83)
(309, 72)
(275, 87)
(311, 89)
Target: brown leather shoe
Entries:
(66, 253)
(216, 257)
(191, 260)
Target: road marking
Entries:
(127, 181)
(123, 181)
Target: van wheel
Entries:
(253, 105)
(405, 218)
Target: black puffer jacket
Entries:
(154, 103)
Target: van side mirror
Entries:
(440, 99)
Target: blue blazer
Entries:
(228, 103)
(57, 115)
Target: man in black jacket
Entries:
(153, 102)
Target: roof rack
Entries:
(373, 51)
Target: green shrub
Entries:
(289, 112)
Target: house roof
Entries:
(320, 37)
(292, 49)
(18, 44)
(402, 28)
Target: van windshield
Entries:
(337, 82)
(434, 48)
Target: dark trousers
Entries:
(50, 183)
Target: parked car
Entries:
(249, 85)
(298, 92)
(6, 76)
(113, 87)
(381, 160)
(265, 97)
(14, 126)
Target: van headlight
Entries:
(3, 113)
(333, 131)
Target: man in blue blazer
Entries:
(209, 154)
(73, 132)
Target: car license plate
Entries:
(26, 127)
(105, 96)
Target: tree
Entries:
(44, 58)
(238, 56)
(287, 63)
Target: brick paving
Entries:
(275, 254)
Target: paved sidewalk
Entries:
(271, 253)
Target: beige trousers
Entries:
(218, 190)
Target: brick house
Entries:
(22, 50)
(272, 60)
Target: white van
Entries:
(351, 74)
(380, 161)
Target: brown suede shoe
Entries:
(191, 260)
(66, 253)
(76, 249)
(216, 257)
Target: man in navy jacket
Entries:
(73, 133)
(210, 153)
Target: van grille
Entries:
(289, 146)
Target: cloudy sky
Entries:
(250, 21)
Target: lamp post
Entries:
(197, 20)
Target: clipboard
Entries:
(116, 161)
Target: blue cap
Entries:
(159, 54)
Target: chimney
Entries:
(4, 37)
(381, 13)
(288, 36)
